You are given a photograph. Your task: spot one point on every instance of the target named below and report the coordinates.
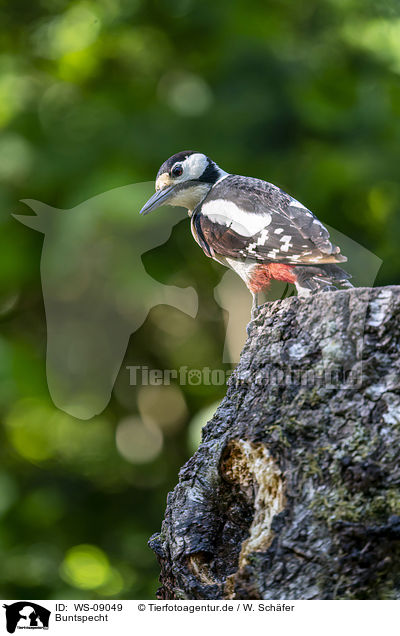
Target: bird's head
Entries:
(184, 180)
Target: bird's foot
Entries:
(249, 327)
(255, 311)
(254, 307)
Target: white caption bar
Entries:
(310, 618)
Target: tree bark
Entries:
(294, 491)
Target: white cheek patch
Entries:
(228, 213)
(194, 166)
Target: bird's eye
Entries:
(177, 170)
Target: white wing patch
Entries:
(286, 243)
(263, 238)
(228, 213)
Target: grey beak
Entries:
(159, 198)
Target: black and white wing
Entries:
(246, 218)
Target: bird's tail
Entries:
(311, 279)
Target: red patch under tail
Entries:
(263, 274)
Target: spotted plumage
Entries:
(250, 225)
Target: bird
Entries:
(250, 226)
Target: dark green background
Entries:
(97, 94)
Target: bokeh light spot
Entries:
(378, 36)
(85, 567)
(114, 584)
(186, 93)
(20, 157)
(40, 432)
(137, 441)
(26, 428)
(71, 31)
(382, 200)
(163, 405)
(16, 90)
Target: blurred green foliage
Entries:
(96, 94)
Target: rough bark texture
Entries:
(294, 491)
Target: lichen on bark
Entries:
(294, 492)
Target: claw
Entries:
(254, 307)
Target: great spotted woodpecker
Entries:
(250, 225)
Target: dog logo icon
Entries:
(26, 615)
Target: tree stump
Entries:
(294, 491)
